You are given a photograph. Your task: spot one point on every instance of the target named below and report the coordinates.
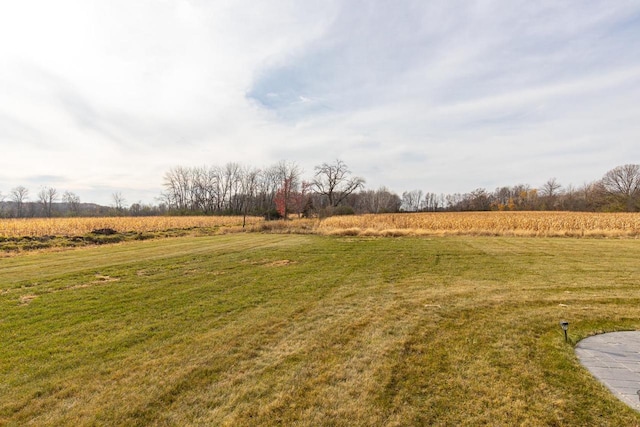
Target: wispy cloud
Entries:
(438, 95)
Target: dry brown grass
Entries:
(524, 224)
(39, 227)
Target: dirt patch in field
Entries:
(269, 263)
(26, 299)
(280, 263)
(100, 279)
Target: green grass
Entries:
(253, 329)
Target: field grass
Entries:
(278, 329)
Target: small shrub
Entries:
(336, 211)
(343, 210)
(272, 215)
(104, 231)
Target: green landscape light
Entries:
(565, 325)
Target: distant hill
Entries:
(9, 209)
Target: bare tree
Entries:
(72, 201)
(411, 200)
(379, 201)
(388, 201)
(212, 186)
(550, 188)
(232, 185)
(249, 181)
(478, 200)
(19, 195)
(549, 192)
(47, 196)
(203, 191)
(334, 181)
(118, 201)
(136, 208)
(197, 189)
(178, 188)
(268, 183)
(431, 202)
(623, 185)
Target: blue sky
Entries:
(103, 96)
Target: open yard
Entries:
(283, 329)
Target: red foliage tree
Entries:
(289, 201)
(283, 198)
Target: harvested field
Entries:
(524, 224)
(39, 227)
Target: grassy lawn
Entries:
(256, 329)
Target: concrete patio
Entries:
(614, 359)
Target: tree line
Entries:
(49, 203)
(281, 190)
(617, 191)
(276, 191)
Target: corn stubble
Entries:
(38, 227)
(524, 224)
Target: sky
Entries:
(105, 96)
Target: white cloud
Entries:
(443, 96)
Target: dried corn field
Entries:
(570, 224)
(544, 224)
(78, 226)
